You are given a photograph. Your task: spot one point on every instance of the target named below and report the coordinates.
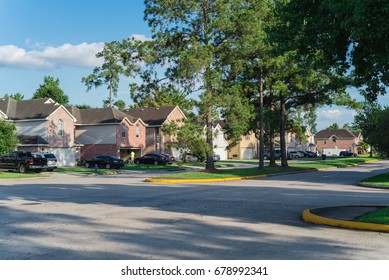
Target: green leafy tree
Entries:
(188, 137)
(333, 126)
(8, 139)
(161, 95)
(16, 96)
(368, 120)
(109, 73)
(190, 37)
(51, 89)
(351, 35)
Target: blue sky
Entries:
(61, 38)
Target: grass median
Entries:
(380, 216)
(381, 180)
(294, 166)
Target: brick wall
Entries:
(344, 144)
(67, 138)
(89, 151)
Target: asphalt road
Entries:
(120, 217)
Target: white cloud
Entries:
(140, 37)
(329, 115)
(82, 55)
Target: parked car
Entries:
(22, 162)
(311, 154)
(169, 157)
(347, 154)
(216, 157)
(277, 154)
(294, 154)
(104, 161)
(155, 159)
(306, 154)
(51, 160)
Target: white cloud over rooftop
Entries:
(81, 55)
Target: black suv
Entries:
(347, 154)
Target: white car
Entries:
(51, 160)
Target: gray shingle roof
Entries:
(154, 116)
(339, 133)
(99, 115)
(28, 109)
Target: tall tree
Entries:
(51, 89)
(109, 73)
(161, 95)
(8, 139)
(190, 36)
(351, 35)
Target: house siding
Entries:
(97, 134)
(245, 149)
(32, 128)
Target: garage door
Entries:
(248, 153)
(65, 156)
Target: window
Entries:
(137, 131)
(60, 127)
(247, 136)
(124, 130)
(333, 139)
(325, 142)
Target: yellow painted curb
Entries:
(202, 180)
(314, 219)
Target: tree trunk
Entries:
(261, 116)
(272, 162)
(284, 160)
(210, 166)
(110, 93)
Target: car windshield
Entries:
(49, 156)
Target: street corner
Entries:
(343, 216)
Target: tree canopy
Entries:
(351, 36)
(51, 89)
(8, 139)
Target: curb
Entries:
(309, 217)
(202, 180)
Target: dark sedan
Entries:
(103, 161)
(155, 159)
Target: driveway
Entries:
(120, 217)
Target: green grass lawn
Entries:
(15, 175)
(380, 216)
(381, 180)
(86, 171)
(242, 172)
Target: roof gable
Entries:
(100, 116)
(33, 109)
(154, 116)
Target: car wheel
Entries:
(108, 166)
(137, 161)
(22, 168)
(87, 165)
(50, 170)
(155, 162)
(265, 157)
